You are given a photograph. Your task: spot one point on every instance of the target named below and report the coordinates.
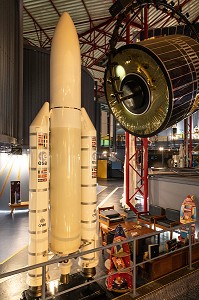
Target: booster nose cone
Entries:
(65, 65)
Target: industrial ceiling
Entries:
(95, 24)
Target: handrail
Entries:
(79, 254)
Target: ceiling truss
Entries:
(94, 41)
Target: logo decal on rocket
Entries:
(42, 223)
(42, 158)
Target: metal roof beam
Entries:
(36, 23)
(76, 24)
(177, 7)
(107, 22)
(86, 9)
(55, 8)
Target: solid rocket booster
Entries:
(88, 198)
(65, 132)
(38, 197)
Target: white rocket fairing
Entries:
(72, 188)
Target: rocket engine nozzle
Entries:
(89, 273)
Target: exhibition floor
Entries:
(14, 253)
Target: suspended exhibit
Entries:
(153, 84)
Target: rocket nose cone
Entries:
(65, 65)
(64, 20)
(64, 29)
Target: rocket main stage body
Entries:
(70, 200)
(65, 170)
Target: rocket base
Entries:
(65, 279)
(93, 291)
(26, 295)
(89, 272)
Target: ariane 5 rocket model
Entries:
(62, 187)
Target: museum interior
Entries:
(99, 149)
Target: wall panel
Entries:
(11, 48)
(36, 87)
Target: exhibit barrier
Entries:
(97, 279)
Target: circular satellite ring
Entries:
(129, 122)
